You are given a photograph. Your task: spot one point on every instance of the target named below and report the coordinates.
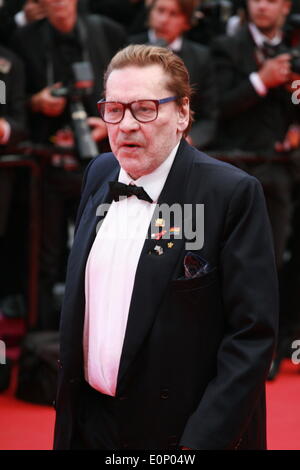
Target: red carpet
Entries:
(24, 426)
(283, 407)
(30, 427)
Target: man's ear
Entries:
(183, 114)
(287, 7)
(187, 26)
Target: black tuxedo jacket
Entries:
(196, 352)
(101, 40)
(12, 74)
(198, 61)
(248, 121)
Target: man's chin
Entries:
(135, 169)
(132, 168)
(264, 26)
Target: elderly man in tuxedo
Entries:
(170, 309)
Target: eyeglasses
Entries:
(113, 112)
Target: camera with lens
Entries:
(291, 45)
(80, 86)
(270, 52)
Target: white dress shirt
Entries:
(110, 274)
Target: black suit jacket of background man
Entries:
(196, 352)
(248, 121)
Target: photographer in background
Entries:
(256, 109)
(49, 49)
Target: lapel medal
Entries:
(160, 223)
(175, 230)
(158, 249)
(158, 235)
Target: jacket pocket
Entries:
(182, 284)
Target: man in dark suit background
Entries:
(168, 21)
(256, 108)
(49, 48)
(169, 318)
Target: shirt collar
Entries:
(175, 46)
(154, 182)
(259, 38)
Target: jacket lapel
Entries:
(155, 271)
(248, 46)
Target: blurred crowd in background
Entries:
(243, 58)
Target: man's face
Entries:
(59, 10)
(167, 20)
(268, 15)
(141, 147)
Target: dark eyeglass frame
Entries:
(129, 106)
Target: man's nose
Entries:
(128, 123)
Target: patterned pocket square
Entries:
(195, 266)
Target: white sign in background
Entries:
(2, 92)
(2, 352)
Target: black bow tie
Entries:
(120, 189)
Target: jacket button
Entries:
(164, 394)
(74, 380)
